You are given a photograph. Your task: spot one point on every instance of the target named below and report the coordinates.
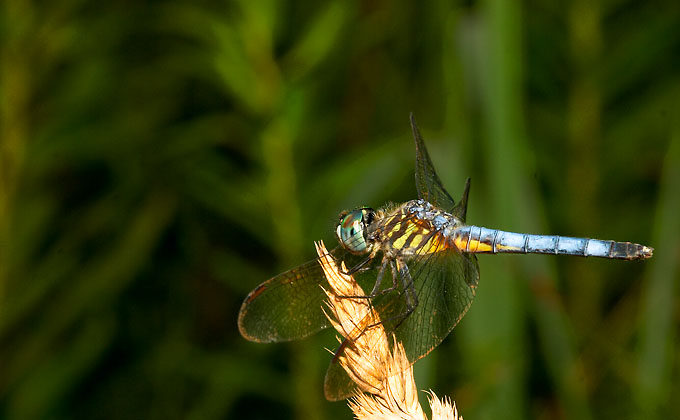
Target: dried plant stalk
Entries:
(383, 373)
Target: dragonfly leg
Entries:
(357, 268)
(409, 289)
(376, 289)
(378, 281)
(400, 269)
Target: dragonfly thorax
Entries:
(352, 230)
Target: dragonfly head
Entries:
(352, 230)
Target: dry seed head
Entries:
(386, 374)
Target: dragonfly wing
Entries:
(460, 209)
(337, 385)
(289, 306)
(285, 307)
(428, 184)
(445, 283)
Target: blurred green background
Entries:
(158, 160)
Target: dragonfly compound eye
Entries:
(351, 230)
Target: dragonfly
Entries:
(418, 259)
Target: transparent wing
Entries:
(286, 307)
(289, 306)
(428, 184)
(445, 282)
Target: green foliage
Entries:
(158, 160)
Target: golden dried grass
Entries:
(381, 371)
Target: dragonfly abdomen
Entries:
(476, 239)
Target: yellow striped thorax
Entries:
(413, 228)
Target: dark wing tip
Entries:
(414, 126)
(244, 319)
(460, 210)
(337, 384)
